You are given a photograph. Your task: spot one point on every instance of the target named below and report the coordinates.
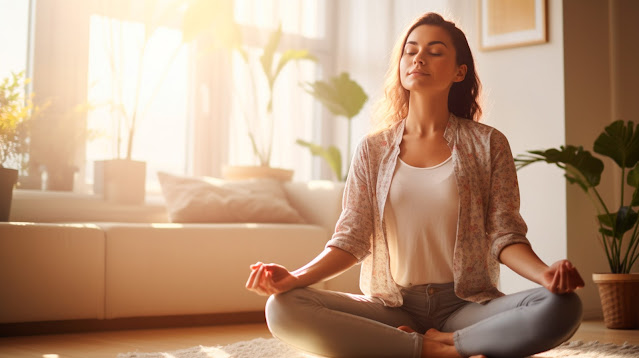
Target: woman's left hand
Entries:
(562, 277)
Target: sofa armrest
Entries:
(51, 272)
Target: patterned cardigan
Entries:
(488, 221)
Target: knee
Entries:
(283, 311)
(565, 311)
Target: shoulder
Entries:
(382, 139)
(481, 132)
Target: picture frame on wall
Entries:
(512, 23)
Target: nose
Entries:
(418, 59)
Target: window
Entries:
(119, 57)
(295, 113)
(14, 33)
(14, 37)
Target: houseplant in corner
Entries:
(343, 97)
(618, 290)
(15, 114)
(261, 132)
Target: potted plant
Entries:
(214, 20)
(16, 113)
(122, 179)
(619, 289)
(261, 122)
(343, 97)
(55, 140)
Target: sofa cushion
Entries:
(182, 269)
(212, 200)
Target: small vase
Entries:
(619, 294)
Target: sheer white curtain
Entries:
(119, 57)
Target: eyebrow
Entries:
(429, 44)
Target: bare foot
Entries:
(440, 344)
(432, 348)
(443, 337)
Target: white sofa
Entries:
(71, 257)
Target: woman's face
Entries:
(428, 63)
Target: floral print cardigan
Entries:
(488, 221)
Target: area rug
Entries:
(273, 348)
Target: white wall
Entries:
(524, 98)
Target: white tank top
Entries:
(421, 223)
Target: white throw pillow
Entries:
(213, 200)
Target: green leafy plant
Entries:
(16, 113)
(220, 27)
(343, 97)
(619, 141)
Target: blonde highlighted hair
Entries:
(463, 96)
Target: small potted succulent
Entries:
(618, 229)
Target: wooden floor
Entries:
(109, 344)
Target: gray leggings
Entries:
(336, 324)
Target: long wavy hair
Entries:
(463, 96)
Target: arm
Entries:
(560, 277)
(268, 279)
(348, 245)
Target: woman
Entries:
(430, 208)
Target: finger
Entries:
(561, 287)
(256, 265)
(555, 281)
(258, 277)
(580, 281)
(251, 279)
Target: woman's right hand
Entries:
(269, 279)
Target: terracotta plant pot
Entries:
(619, 294)
(8, 179)
(253, 172)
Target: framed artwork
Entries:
(511, 23)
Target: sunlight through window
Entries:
(119, 61)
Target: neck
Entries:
(427, 115)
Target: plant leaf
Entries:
(619, 222)
(619, 142)
(626, 219)
(331, 155)
(633, 181)
(606, 232)
(269, 52)
(633, 177)
(291, 55)
(576, 157)
(341, 95)
(573, 180)
(607, 220)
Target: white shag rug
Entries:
(273, 348)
